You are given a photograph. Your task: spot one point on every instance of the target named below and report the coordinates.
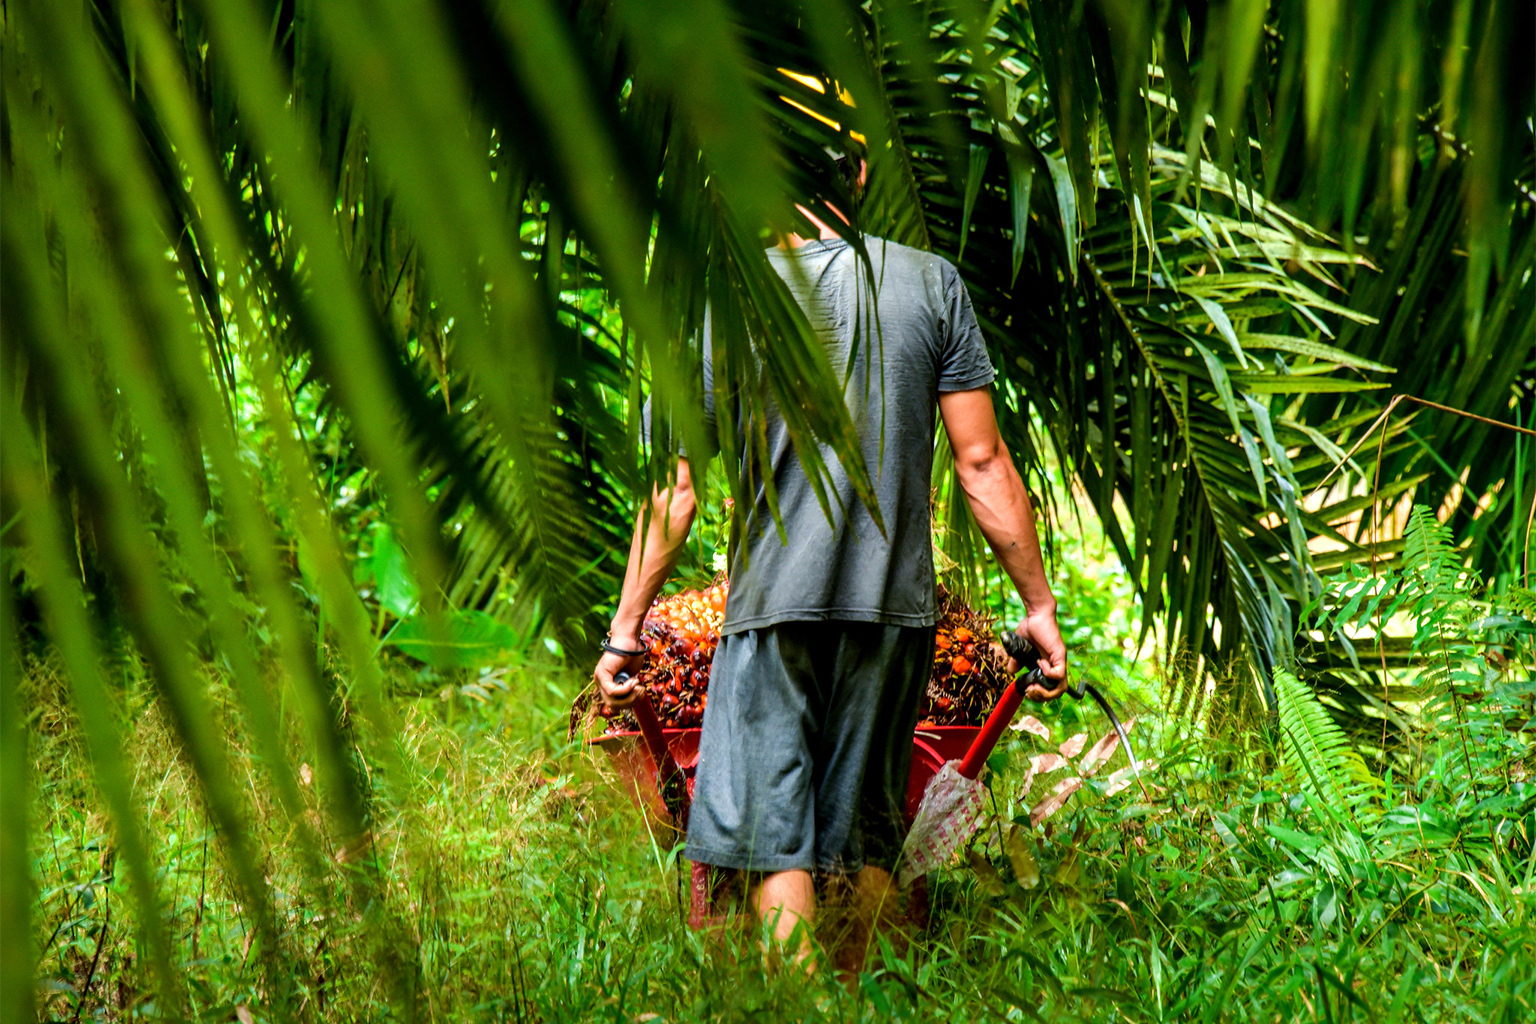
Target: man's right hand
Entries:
(619, 694)
(1040, 629)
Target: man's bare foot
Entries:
(868, 907)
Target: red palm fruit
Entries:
(942, 642)
(963, 665)
(943, 703)
(962, 634)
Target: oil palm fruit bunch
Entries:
(969, 671)
(680, 634)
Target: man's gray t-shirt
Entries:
(926, 342)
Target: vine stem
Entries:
(1385, 413)
(1381, 650)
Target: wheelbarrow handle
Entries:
(980, 749)
(669, 777)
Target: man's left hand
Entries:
(614, 693)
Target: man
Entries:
(827, 642)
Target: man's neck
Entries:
(825, 232)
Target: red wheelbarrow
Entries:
(657, 765)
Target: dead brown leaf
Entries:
(1099, 753)
(1039, 765)
(1033, 726)
(1051, 804)
(1042, 763)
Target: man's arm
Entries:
(652, 554)
(1002, 510)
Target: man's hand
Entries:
(619, 695)
(1040, 629)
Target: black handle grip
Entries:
(1020, 650)
(1023, 652)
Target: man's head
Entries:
(839, 180)
(845, 184)
(851, 171)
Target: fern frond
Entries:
(1316, 754)
(1429, 552)
(1521, 601)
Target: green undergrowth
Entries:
(505, 878)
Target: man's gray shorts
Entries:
(807, 745)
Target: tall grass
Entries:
(520, 885)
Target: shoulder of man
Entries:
(931, 265)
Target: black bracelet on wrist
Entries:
(623, 652)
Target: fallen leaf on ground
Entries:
(1099, 753)
(1125, 776)
(1073, 746)
(1038, 765)
(1051, 804)
(986, 874)
(1042, 763)
(1025, 868)
(243, 1014)
(1033, 725)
